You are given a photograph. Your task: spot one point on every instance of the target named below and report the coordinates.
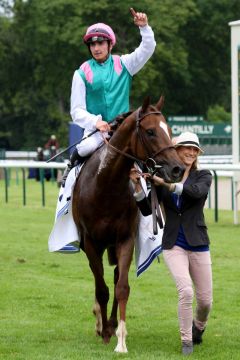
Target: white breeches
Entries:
(89, 145)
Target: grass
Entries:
(46, 299)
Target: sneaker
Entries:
(196, 335)
(71, 248)
(187, 347)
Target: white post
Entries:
(235, 65)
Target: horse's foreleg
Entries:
(102, 297)
(121, 335)
(122, 293)
(124, 254)
(101, 289)
(98, 315)
(113, 322)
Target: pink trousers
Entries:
(191, 271)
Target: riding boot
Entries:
(75, 160)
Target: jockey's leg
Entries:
(89, 145)
(83, 150)
(75, 160)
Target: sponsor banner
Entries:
(202, 129)
(185, 118)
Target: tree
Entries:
(41, 46)
(208, 41)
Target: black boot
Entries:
(197, 335)
(75, 160)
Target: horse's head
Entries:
(151, 142)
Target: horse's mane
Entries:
(118, 120)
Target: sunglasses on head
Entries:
(96, 39)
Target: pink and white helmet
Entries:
(99, 32)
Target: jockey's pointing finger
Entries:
(133, 12)
(140, 19)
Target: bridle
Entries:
(150, 162)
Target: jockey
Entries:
(101, 86)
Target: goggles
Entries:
(96, 39)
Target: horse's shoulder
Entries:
(92, 163)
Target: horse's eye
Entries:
(150, 132)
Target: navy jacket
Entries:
(191, 215)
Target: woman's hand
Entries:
(134, 176)
(140, 19)
(159, 181)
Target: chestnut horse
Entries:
(105, 211)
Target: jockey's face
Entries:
(100, 50)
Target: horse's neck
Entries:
(114, 167)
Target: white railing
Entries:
(61, 165)
(20, 154)
(31, 164)
(31, 155)
(215, 159)
(225, 170)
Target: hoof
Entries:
(120, 349)
(121, 335)
(106, 340)
(112, 326)
(98, 333)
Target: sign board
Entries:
(185, 118)
(202, 129)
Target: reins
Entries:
(154, 206)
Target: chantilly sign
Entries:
(202, 129)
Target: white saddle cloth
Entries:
(147, 245)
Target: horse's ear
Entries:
(146, 103)
(160, 103)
